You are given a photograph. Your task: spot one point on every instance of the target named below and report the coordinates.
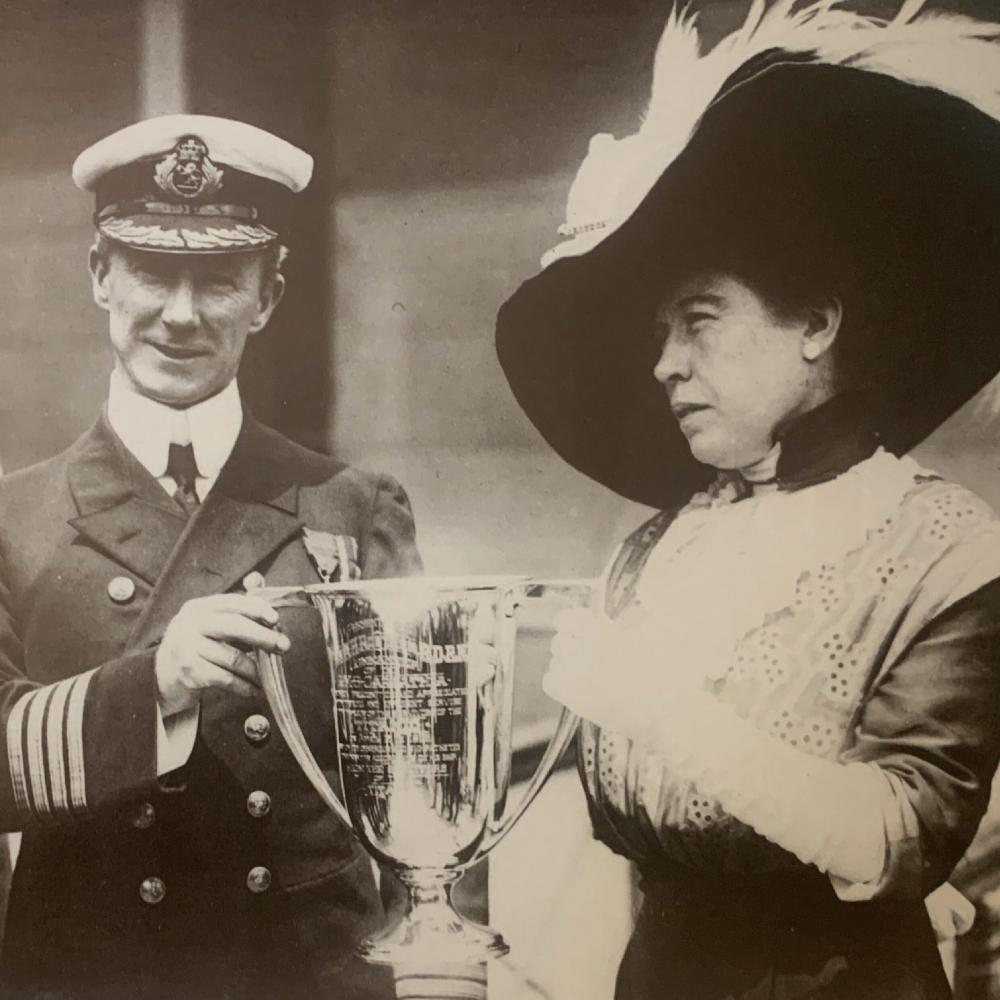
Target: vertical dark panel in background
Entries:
(68, 75)
(267, 63)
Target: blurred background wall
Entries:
(445, 135)
(445, 138)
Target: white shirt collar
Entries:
(148, 428)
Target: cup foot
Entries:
(433, 940)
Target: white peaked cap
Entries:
(243, 147)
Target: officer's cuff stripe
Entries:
(74, 740)
(15, 754)
(36, 751)
(45, 750)
(57, 759)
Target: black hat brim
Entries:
(886, 191)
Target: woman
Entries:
(781, 283)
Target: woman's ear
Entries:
(821, 329)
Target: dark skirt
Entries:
(784, 937)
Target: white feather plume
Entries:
(954, 54)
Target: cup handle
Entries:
(582, 592)
(565, 731)
(272, 675)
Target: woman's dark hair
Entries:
(791, 286)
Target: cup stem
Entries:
(429, 888)
(431, 928)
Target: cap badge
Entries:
(187, 172)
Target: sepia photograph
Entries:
(500, 500)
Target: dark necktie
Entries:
(183, 470)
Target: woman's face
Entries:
(735, 373)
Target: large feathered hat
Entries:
(813, 145)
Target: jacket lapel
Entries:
(123, 510)
(251, 511)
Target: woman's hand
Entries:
(609, 672)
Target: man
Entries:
(171, 847)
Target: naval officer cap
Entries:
(193, 184)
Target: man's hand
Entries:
(203, 647)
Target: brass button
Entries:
(256, 728)
(259, 879)
(258, 804)
(253, 581)
(152, 890)
(145, 816)
(121, 589)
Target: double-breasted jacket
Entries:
(226, 877)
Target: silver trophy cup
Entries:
(422, 673)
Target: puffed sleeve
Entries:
(930, 724)
(390, 548)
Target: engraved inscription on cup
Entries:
(421, 703)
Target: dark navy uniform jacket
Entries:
(225, 878)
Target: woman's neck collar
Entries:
(816, 447)
(764, 471)
(827, 441)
